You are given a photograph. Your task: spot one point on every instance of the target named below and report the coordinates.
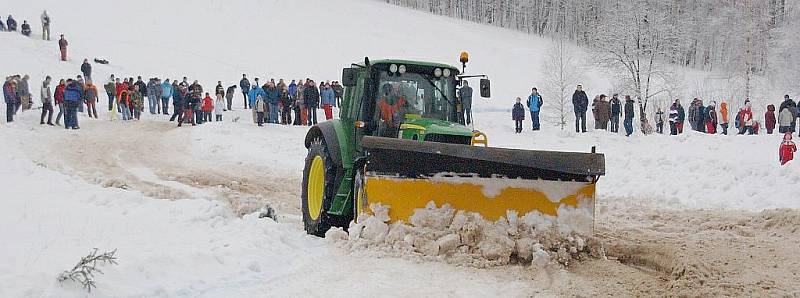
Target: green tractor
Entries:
(400, 141)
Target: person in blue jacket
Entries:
(177, 102)
(72, 99)
(251, 99)
(328, 97)
(166, 93)
(292, 89)
(535, 105)
(273, 97)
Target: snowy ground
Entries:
(689, 215)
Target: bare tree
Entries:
(563, 71)
(714, 35)
(635, 46)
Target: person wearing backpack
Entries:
(111, 92)
(534, 104)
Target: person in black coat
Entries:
(580, 102)
(311, 97)
(26, 28)
(616, 109)
(11, 24)
(86, 70)
(518, 115)
(141, 86)
(628, 116)
(245, 85)
(229, 97)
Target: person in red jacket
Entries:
(787, 149)
(59, 99)
(207, 107)
(746, 119)
(769, 118)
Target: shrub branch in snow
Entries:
(84, 271)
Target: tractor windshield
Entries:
(415, 95)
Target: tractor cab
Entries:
(406, 99)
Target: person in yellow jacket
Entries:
(723, 112)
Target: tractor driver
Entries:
(389, 107)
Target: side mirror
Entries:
(349, 77)
(486, 91)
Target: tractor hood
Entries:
(435, 126)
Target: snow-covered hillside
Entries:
(171, 200)
(215, 40)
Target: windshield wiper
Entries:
(427, 78)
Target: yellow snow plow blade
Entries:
(404, 196)
(406, 175)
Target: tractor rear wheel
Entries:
(319, 189)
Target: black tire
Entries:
(324, 221)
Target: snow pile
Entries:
(465, 238)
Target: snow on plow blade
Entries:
(405, 175)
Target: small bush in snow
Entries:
(84, 271)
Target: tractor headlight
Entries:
(393, 68)
(402, 69)
(437, 72)
(446, 72)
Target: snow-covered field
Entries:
(180, 204)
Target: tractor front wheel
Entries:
(319, 189)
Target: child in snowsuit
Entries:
(787, 149)
(769, 119)
(518, 115)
